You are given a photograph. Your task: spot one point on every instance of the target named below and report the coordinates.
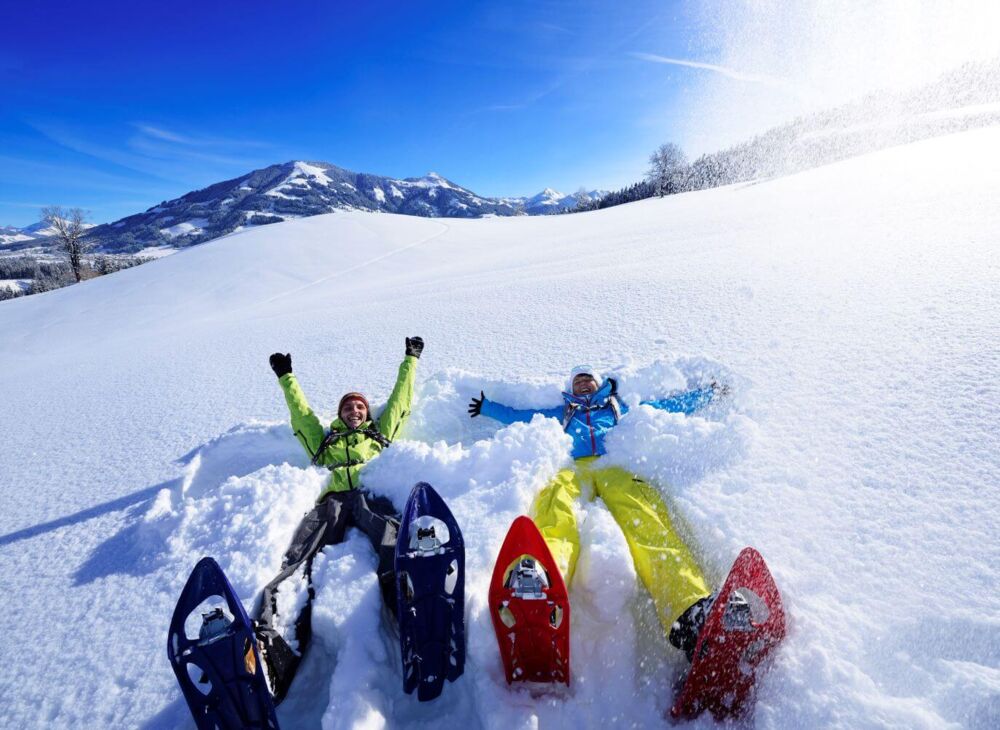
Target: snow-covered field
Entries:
(15, 285)
(854, 308)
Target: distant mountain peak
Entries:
(298, 189)
(293, 189)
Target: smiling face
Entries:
(354, 412)
(584, 384)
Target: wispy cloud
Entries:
(574, 67)
(158, 131)
(524, 103)
(154, 151)
(164, 134)
(728, 72)
(143, 160)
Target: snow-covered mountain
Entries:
(10, 234)
(284, 192)
(552, 201)
(296, 190)
(35, 232)
(852, 307)
(29, 236)
(293, 190)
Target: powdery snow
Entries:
(6, 238)
(303, 175)
(314, 173)
(156, 252)
(276, 192)
(15, 285)
(852, 308)
(193, 226)
(430, 180)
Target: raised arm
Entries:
(505, 414)
(401, 400)
(305, 424)
(687, 402)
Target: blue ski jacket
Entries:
(588, 419)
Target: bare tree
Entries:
(69, 230)
(666, 169)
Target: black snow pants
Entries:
(326, 524)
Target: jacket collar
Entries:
(341, 427)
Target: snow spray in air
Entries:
(765, 63)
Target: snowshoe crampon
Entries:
(530, 608)
(745, 624)
(216, 659)
(430, 568)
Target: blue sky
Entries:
(115, 106)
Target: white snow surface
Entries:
(853, 308)
(156, 252)
(195, 225)
(16, 237)
(15, 284)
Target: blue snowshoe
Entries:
(217, 663)
(430, 569)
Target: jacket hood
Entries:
(599, 397)
(583, 370)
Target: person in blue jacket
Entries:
(663, 562)
(590, 410)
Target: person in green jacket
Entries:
(352, 440)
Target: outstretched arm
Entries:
(506, 414)
(687, 402)
(308, 430)
(397, 408)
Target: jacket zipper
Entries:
(593, 441)
(347, 457)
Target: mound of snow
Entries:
(852, 309)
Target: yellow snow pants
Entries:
(662, 560)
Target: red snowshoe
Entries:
(746, 622)
(530, 608)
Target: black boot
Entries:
(684, 633)
(280, 662)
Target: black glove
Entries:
(476, 405)
(281, 364)
(414, 346)
(719, 388)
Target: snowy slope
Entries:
(854, 308)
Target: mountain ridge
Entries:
(298, 189)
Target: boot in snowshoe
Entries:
(685, 630)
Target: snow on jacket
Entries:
(347, 450)
(587, 419)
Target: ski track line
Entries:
(444, 229)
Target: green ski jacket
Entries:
(344, 451)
